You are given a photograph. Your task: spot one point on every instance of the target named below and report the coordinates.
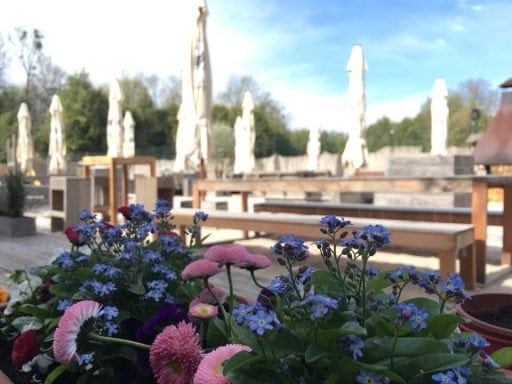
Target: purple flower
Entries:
(353, 345)
(162, 208)
(320, 304)
(290, 247)
(331, 223)
(63, 304)
(445, 378)
(260, 322)
(369, 377)
(242, 313)
(200, 216)
(109, 312)
(167, 314)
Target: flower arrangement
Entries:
(133, 303)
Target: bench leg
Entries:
(447, 262)
(468, 270)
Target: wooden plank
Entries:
(330, 184)
(445, 238)
(479, 221)
(349, 210)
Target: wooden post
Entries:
(479, 221)
(506, 254)
(468, 267)
(244, 196)
(112, 191)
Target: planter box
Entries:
(17, 226)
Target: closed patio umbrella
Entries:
(25, 146)
(115, 121)
(245, 137)
(439, 115)
(313, 149)
(57, 145)
(193, 134)
(129, 135)
(354, 155)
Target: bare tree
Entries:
(29, 48)
(4, 62)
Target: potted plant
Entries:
(489, 314)
(124, 307)
(12, 202)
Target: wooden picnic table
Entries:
(478, 185)
(113, 163)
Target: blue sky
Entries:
(295, 49)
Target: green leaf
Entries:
(431, 306)
(26, 321)
(326, 337)
(503, 356)
(53, 375)
(239, 360)
(30, 309)
(379, 348)
(243, 335)
(442, 326)
(286, 343)
(429, 363)
(314, 353)
(137, 288)
(378, 283)
(352, 328)
(64, 290)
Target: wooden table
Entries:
(112, 163)
(478, 185)
(479, 219)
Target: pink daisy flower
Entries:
(206, 297)
(200, 268)
(255, 262)
(64, 338)
(175, 354)
(227, 254)
(210, 368)
(203, 310)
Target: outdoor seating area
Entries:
(155, 232)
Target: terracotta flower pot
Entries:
(498, 337)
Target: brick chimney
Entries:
(495, 145)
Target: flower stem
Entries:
(223, 311)
(118, 340)
(255, 281)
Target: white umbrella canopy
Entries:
(193, 134)
(354, 155)
(313, 149)
(129, 135)
(439, 115)
(25, 146)
(57, 145)
(245, 137)
(115, 121)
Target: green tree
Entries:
(298, 140)
(223, 144)
(10, 100)
(235, 90)
(379, 134)
(333, 142)
(85, 115)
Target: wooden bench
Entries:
(448, 240)
(350, 210)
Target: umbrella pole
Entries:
(202, 169)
